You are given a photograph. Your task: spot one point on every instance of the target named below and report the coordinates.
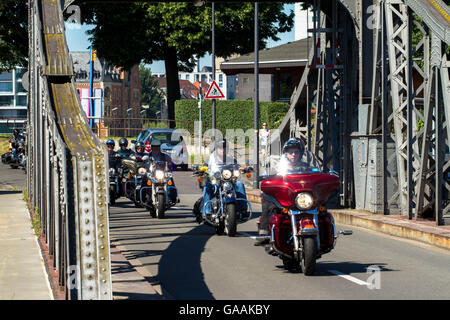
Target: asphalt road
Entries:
(189, 261)
(11, 178)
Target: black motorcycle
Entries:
(133, 181)
(156, 185)
(114, 180)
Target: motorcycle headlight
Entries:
(142, 171)
(226, 174)
(304, 200)
(213, 180)
(236, 173)
(217, 175)
(159, 174)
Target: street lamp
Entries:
(115, 126)
(129, 122)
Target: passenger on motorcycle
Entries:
(157, 155)
(140, 155)
(219, 157)
(124, 152)
(294, 158)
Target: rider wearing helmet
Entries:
(295, 158)
(140, 154)
(124, 152)
(110, 144)
(219, 157)
(157, 155)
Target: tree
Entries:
(13, 34)
(127, 34)
(149, 93)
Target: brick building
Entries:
(118, 92)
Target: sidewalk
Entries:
(395, 225)
(22, 270)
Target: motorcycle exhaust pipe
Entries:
(346, 232)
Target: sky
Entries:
(77, 40)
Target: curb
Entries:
(394, 226)
(398, 228)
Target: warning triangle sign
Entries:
(214, 92)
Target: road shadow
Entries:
(180, 265)
(5, 192)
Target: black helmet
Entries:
(294, 143)
(123, 142)
(139, 144)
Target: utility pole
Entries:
(213, 54)
(256, 105)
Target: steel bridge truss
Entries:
(398, 107)
(68, 169)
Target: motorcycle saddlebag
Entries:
(326, 231)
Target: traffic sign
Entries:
(214, 92)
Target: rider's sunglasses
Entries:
(293, 152)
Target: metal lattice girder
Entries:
(68, 167)
(398, 37)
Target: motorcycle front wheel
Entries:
(308, 262)
(230, 219)
(160, 205)
(112, 197)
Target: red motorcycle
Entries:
(300, 227)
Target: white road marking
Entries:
(336, 272)
(348, 277)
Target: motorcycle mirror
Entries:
(346, 232)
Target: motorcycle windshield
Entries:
(303, 163)
(158, 165)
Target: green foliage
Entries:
(13, 34)
(131, 33)
(149, 93)
(36, 222)
(230, 114)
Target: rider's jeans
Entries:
(208, 194)
(172, 193)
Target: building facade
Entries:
(280, 70)
(13, 100)
(117, 103)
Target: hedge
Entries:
(230, 114)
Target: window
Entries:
(6, 101)
(187, 77)
(19, 87)
(6, 86)
(284, 86)
(196, 77)
(220, 77)
(6, 76)
(21, 101)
